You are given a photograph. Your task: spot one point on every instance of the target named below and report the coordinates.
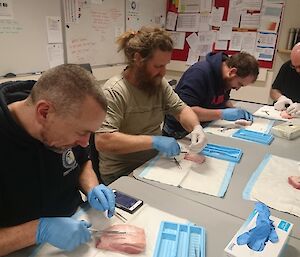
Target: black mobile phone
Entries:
(126, 202)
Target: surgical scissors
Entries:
(177, 163)
(101, 232)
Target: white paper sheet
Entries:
(178, 39)
(203, 50)
(193, 41)
(216, 16)
(225, 31)
(249, 41)
(269, 24)
(275, 175)
(54, 30)
(265, 39)
(147, 213)
(204, 19)
(250, 21)
(189, 6)
(55, 54)
(228, 128)
(207, 37)
(171, 20)
(221, 44)
(187, 22)
(193, 57)
(205, 5)
(208, 177)
(265, 53)
(234, 15)
(269, 112)
(211, 177)
(248, 4)
(6, 10)
(235, 43)
(72, 11)
(271, 10)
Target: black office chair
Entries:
(94, 156)
(86, 66)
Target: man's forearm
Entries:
(120, 143)
(204, 114)
(275, 94)
(88, 178)
(188, 119)
(17, 237)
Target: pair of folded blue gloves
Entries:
(257, 237)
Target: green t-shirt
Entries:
(132, 111)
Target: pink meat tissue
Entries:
(294, 181)
(132, 242)
(197, 158)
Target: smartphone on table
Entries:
(126, 202)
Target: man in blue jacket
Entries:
(206, 86)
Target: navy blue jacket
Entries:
(201, 85)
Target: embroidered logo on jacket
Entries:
(69, 161)
(218, 99)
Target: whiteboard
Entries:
(24, 39)
(145, 13)
(91, 38)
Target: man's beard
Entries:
(227, 83)
(151, 85)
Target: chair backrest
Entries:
(94, 156)
(86, 66)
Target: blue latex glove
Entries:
(102, 198)
(233, 114)
(264, 231)
(63, 232)
(166, 145)
(257, 237)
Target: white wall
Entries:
(257, 92)
(101, 74)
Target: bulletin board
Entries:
(90, 37)
(24, 38)
(182, 54)
(145, 13)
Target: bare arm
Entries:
(88, 178)
(17, 237)
(275, 94)
(229, 104)
(204, 114)
(188, 118)
(120, 143)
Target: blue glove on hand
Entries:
(102, 198)
(166, 145)
(63, 232)
(233, 114)
(264, 231)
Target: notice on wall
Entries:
(55, 54)
(54, 29)
(6, 10)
